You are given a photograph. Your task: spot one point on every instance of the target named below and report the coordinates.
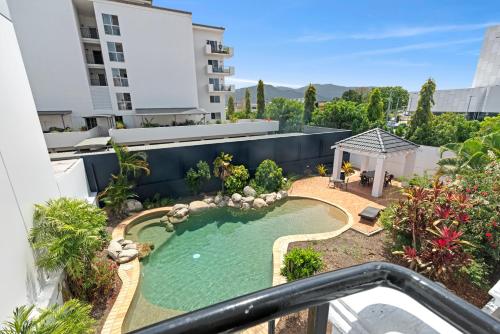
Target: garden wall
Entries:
(170, 162)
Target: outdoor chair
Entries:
(335, 182)
(388, 179)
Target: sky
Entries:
(350, 43)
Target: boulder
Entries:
(126, 242)
(270, 198)
(130, 246)
(278, 196)
(236, 198)
(169, 227)
(181, 213)
(248, 199)
(218, 199)
(113, 255)
(115, 246)
(197, 206)
(259, 203)
(231, 204)
(249, 191)
(245, 206)
(164, 219)
(175, 220)
(127, 255)
(212, 205)
(119, 240)
(208, 199)
(176, 208)
(263, 196)
(222, 204)
(283, 193)
(132, 205)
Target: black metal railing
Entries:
(89, 32)
(316, 293)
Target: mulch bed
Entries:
(353, 248)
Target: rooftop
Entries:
(377, 141)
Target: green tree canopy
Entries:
(261, 102)
(489, 125)
(342, 114)
(248, 103)
(288, 112)
(423, 114)
(375, 106)
(309, 102)
(352, 95)
(230, 106)
(394, 97)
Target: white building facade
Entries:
(98, 62)
(483, 98)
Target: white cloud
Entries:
(241, 82)
(394, 33)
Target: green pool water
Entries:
(222, 253)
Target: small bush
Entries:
(269, 177)
(235, 182)
(157, 202)
(301, 263)
(98, 282)
(195, 178)
(322, 170)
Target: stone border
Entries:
(129, 272)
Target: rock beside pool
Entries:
(145, 249)
(236, 198)
(125, 242)
(122, 251)
(248, 199)
(169, 227)
(130, 246)
(222, 203)
(218, 199)
(208, 199)
(164, 219)
(127, 255)
(212, 205)
(115, 246)
(177, 220)
(259, 203)
(181, 213)
(270, 198)
(176, 208)
(198, 206)
(249, 191)
(283, 193)
(245, 206)
(231, 204)
(132, 205)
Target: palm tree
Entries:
(131, 162)
(474, 153)
(222, 167)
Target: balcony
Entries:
(221, 88)
(218, 50)
(221, 70)
(95, 59)
(90, 33)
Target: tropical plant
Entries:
(352, 95)
(488, 125)
(131, 163)
(289, 113)
(67, 233)
(261, 102)
(157, 201)
(375, 106)
(348, 170)
(268, 176)
(148, 123)
(301, 263)
(235, 182)
(423, 114)
(195, 178)
(120, 125)
(321, 169)
(71, 318)
(222, 167)
(474, 153)
(99, 281)
(309, 103)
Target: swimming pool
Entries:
(218, 254)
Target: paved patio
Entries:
(354, 199)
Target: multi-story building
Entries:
(483, 98)
(97, 62)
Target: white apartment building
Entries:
(483, 98)
(95, 62)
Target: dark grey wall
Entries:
(169, 165)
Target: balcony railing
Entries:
(220, 88)
(220, 70)
(219, 49)
(316, 293)
(92, 60)
(89, 32)
(97, 82)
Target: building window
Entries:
(115, 51)
(213, 115)
(214, 99)
(120, 78)
(111, 25)
(124, 101)
(91, 122)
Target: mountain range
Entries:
(324, 92)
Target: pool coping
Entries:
(129, 273)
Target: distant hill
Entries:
(324, 92)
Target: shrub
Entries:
(301, 263)
(222, 167)
(98, 282)
(71, 318)
(67, 232)
(322, 170)
(116, 193)
(157, 202)
(120, 125)
(269, 177)
(235, 182)
(195, 178)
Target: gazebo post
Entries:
(378, 180)
(337, 163)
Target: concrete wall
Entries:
(158, 51)
(67, 140)
(488, 67)
(191, 132)
(25, 174)
(48, 35)
(71, 179)
(170, 162)
(201, 35)
(425, 161)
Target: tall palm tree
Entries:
(222, 167)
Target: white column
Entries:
(365, 163)
(409, 167)
(378, 180)
(337, 163)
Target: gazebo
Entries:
(380, 145)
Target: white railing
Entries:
(213, 88)
(219, 50)
(220, 70)
(67, 140)
(192, 132)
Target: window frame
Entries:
(114, 54)
(119, 80)
(214, 99)
(123, 103)
(111, 28)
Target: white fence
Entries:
(192, 132)
(66, 140)
(425, 161)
